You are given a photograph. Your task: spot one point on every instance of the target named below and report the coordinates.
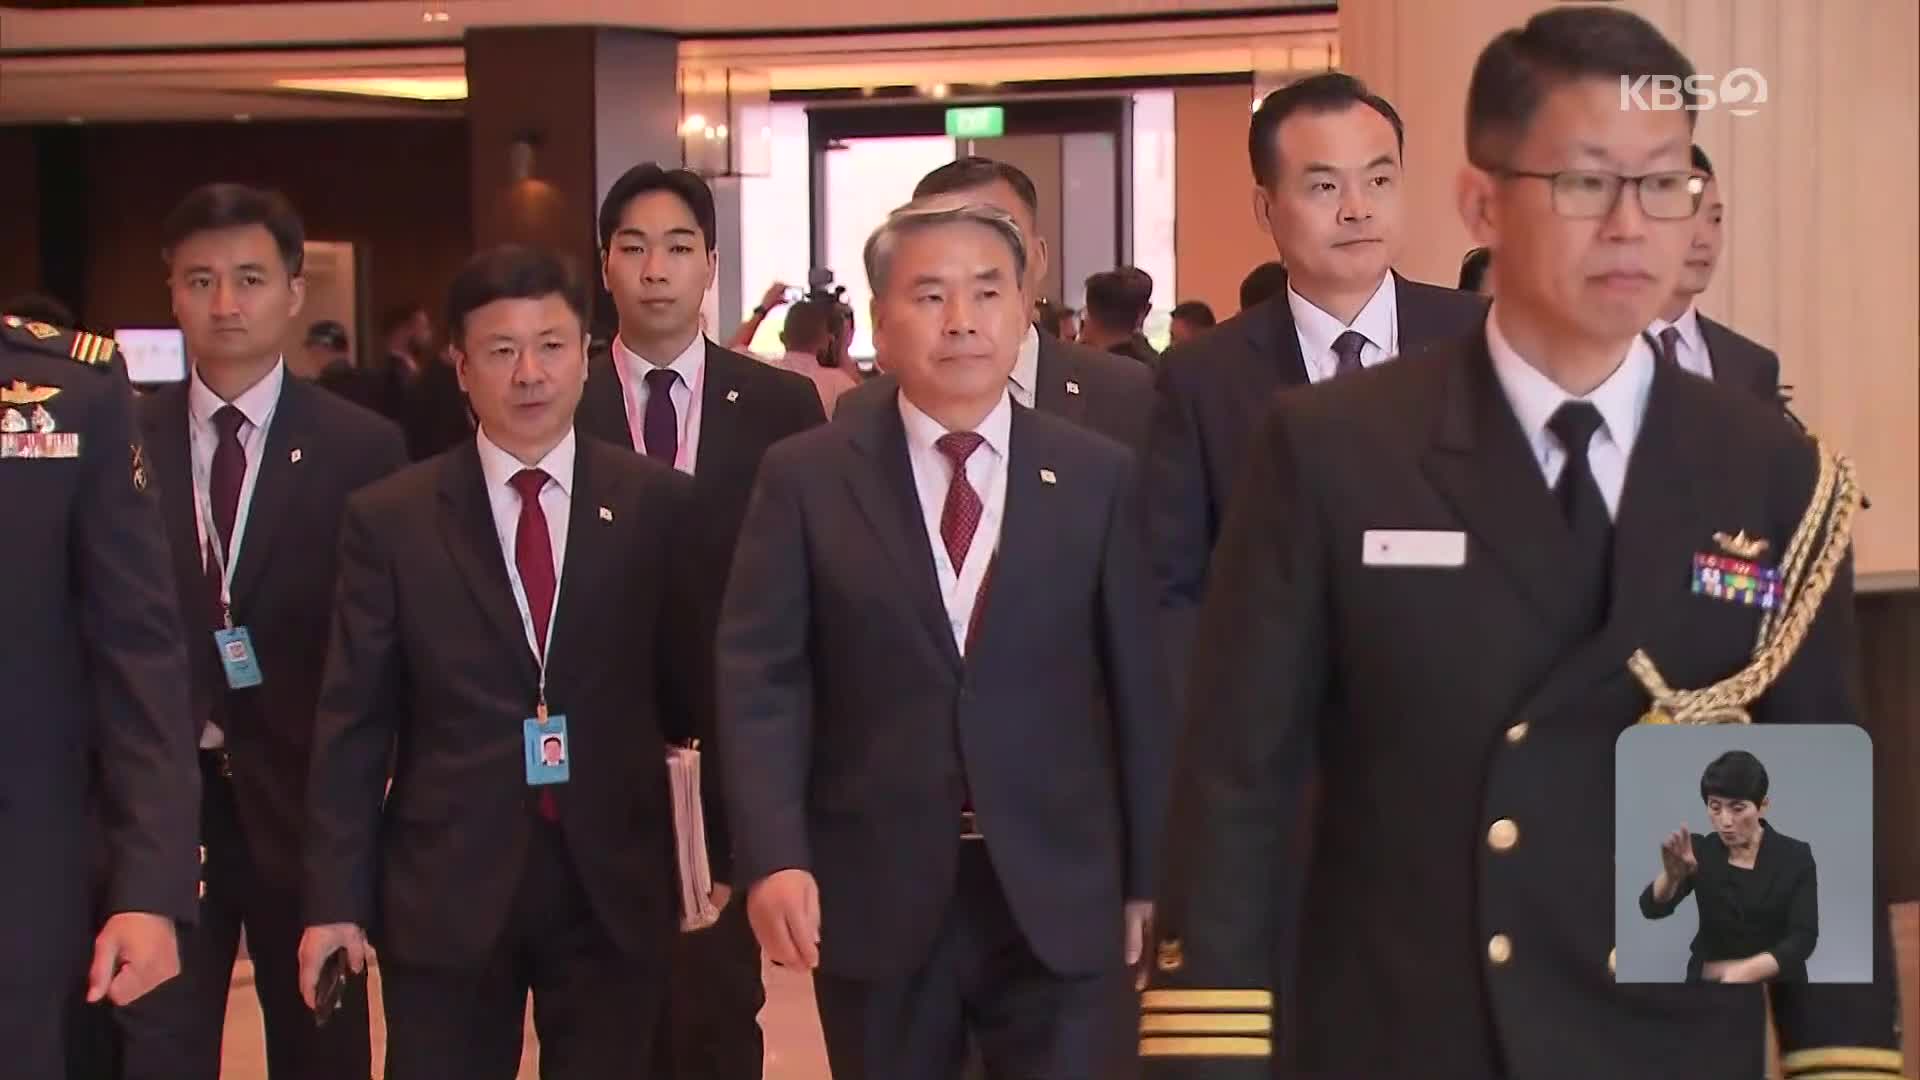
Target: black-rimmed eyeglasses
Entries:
(1586, 194)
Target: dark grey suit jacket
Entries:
(1436, 702)
(1741, 361)
(1212, 392)
(1098, 390)
(847, 711)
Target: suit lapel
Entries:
(1057, 369)
(274, 487)
(886, 495)
(1729, 361)
(1023, 529)
(603, 406)
(589, 550)
(1276, 343)
(719, 413)
(474, 544)
(1481, 463)
(168, 441)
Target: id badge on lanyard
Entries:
(234, 644)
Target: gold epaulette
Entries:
(90, 349)
(1206, 1023)
(1843, 1063)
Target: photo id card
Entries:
(547, 750)
(237, 658)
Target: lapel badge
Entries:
(140, 479)
(42, 421)
(606, 515)
(294, 457)
(1740, 545)
(21, 393)
(1073, 387)
(733, 396)
(14, 322)
(42, 330)
(13, 423)
(1047, 477)
(1171, 956)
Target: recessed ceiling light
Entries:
(417, 88)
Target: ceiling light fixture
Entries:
(412, 88)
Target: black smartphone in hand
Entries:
(331, 989)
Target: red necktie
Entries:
(224, 481)
(533, 557)
(959, 520)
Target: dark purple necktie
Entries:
(1346, 351)
(660, 425)
(224, 481)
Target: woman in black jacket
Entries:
(1755, 888)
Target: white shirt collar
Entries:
(924, 431)
(1622, 399)
(1026, 366)
(499, 467)
(687, 365)
(256, 404)
(1691, 333)
(1377, 322)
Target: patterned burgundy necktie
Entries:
(660, 422)
(959, 520)
(533, 557)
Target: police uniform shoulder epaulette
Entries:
(90, 349)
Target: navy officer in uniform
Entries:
(94, 671)
(1431, 582)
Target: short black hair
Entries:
(1262, 283)
(550, 739)
(970, 173)
(510, 272)
(1331, 91)
(327, 333)
(1048, 316)
(38, 307)
(1473, 269)
(643, 179)
(1120, 298)
(394, 316)
(1195, 312)
(233, 206)
(810, 325)
(1735, 774)
(1701, 162)
(1517, 69)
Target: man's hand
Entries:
(134, 953)
(722, 892)
(320, 942)
(784, 909)
(1139, 917)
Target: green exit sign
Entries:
(981, 122)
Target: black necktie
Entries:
(1574, 424)
(1346, 351)
(1670, 345)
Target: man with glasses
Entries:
(1683, 336)
(1432, 606)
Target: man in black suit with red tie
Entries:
(520, 586)
(254, 468)
(666, 391)
(1327, 161)
(1098, 390)
(1683, 336)
(929, 808)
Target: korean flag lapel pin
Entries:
(606, 515)
(294, 457)
(733, 396)
(1048, 478)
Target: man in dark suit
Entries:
(1432, 602)
(1110, 394)
(1683, 336)
(717, 415)
(1326, 156)
(520, 586)
(254, 467)
(99, 741)
(929, 807)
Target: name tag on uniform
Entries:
(547, 750)
(1414, 547)
(237, 658)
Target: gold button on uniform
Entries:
(1517, 733)
(1499, 949)
(1503, 835)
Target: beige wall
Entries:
(1823, 239)
(1215, 239)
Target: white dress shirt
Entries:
(1691, 349)
(1024, 382)
(987, 472)
(691, 367)
(1622, 401)
(1378, 322)
(556, 501)
(257, 404)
